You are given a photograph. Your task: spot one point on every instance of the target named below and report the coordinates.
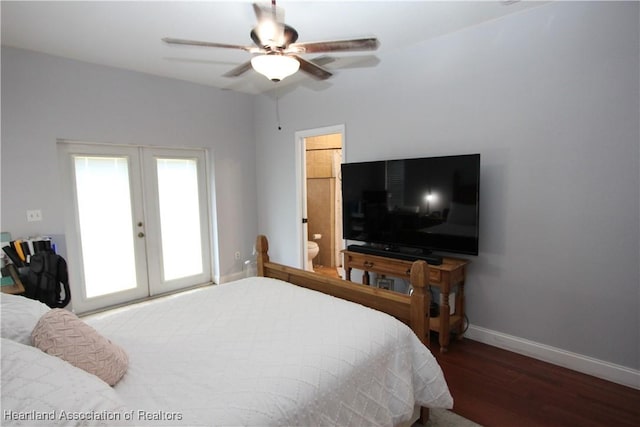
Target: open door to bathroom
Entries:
(322, 197)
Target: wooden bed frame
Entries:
(412, 310)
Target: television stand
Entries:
(449, 274)
(407, 254)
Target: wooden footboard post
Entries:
(262, 248)
(424, 416)
(420, 301)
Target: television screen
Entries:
(430, 204)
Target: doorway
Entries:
(320, 199)
(138, 223)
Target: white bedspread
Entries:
(264, 352)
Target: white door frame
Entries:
(158, 284)
(145, 214)
(301, 183)
(79, 301)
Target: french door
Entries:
(138, 222)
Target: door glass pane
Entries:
(179, 217)
(106, 225)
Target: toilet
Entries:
(312, 251)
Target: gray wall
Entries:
(45, 98)
(549, 97)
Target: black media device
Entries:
(409, 208)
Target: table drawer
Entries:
(396, 267)
(380, 265)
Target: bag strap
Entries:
(63, 277)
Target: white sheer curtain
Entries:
(104, 213)
(179, 217)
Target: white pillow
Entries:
(18, 317)
(36, 385)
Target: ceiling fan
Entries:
(277, 55)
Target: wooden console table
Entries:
(450, 274)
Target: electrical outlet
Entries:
(237, 255)
(34, 215)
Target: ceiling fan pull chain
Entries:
(278, 110)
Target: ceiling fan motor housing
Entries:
(290, 35)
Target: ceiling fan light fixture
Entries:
(275, 67)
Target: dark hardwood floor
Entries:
(495, 387)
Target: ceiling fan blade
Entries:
(265, 11)
(240, 69)
(369, 43)
(207, 44)
(315, 70)
(323, 60)
(270, 30)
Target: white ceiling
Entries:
(127, 34)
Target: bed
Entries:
(289, 347)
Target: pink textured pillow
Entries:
(61, 333)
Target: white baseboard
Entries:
(230, 277)
(574, 361)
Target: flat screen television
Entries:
(413, 205)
